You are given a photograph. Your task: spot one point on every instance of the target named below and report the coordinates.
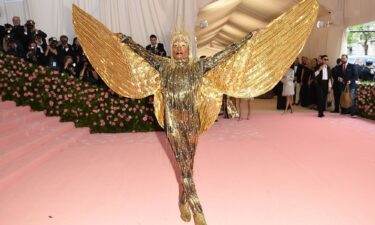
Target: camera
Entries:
(29, 25)
(53, 44)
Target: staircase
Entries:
(27, 139)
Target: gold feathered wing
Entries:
(123, 70)
(260, 63)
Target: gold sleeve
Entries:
(152, 59)
(123, 70)
(210, 62)
(259, 64)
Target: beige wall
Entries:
(345, 13)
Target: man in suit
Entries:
(298, 68)
(348, 76)
(337, 88)
(322, 75)
(368, 73)
(155, 47)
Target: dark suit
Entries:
(337, 88)
(298, 83)
(349, 73)
(322, 89)
(158, 50)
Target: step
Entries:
(34, 140)
(15, 133)
(6, 114)
(7, 104)
(12, 123)
(37, 156)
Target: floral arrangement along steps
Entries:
(62, 95)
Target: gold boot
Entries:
(199, 219)
(185, 211)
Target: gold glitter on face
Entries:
(180, 50)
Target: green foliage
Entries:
(63, 95)
(365, 99)
(362, 34)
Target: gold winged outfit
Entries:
(188, 93)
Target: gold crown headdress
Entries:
(181, 34)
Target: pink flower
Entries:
(121, 124)
(102, 123)
(144, 118)
(50, 103)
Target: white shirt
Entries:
(325, 73)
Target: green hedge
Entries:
(60, 94)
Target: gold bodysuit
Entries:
(188, 94)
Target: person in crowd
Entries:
(155, 47)
(281, 100)
(34, 54)
(41, 42)
(337, 89)
(322, 74)
(14, 48)
(348, 75)
(64, 49)
(2, 35)
(306, 72)
(31, 33)
(6, 36)
(70, 66)
(298, 67)
(77, 49)
(18, 31)
(52, 54)
(288, 88)
(89, 74)
(240, 108)
(312, 84)
(368, 72)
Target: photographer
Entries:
(70, 66)
(31, 33)
(5, 35)
(14, 48)
(52, 55)
(88, 73)
(41, 46)
(34, 55)
(64, 49)
(77, 49)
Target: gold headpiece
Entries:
(181, 34)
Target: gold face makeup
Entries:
(180, 50)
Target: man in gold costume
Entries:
(188, 92)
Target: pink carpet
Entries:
(273, 169)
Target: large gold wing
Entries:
(123, 70)
(260, 63)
